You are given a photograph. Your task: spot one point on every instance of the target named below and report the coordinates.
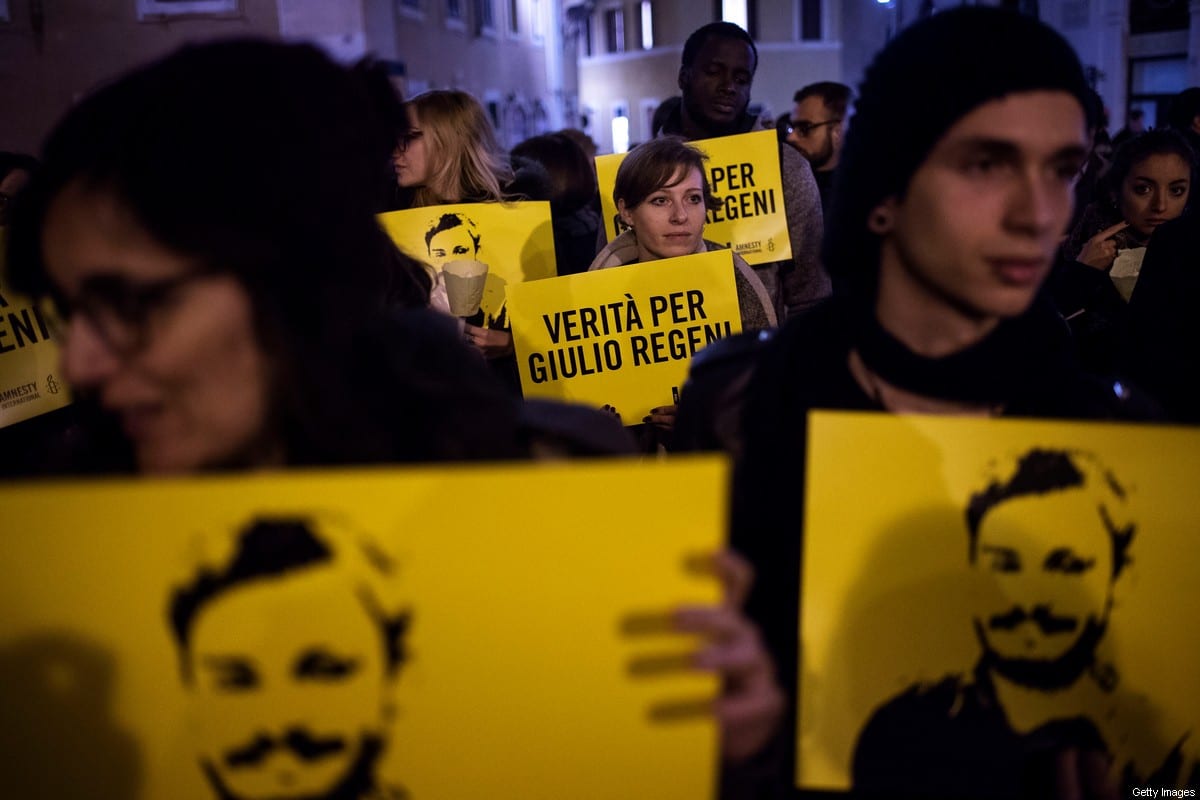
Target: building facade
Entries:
(628, 52)
(508, 53)
(1138, 53)
(538, 65)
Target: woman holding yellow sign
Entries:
(662, 195)
(450, 155)
(219, 331)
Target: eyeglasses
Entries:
(121, 311)
(406, 139)
(805, 128)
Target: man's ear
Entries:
(624, 213)
(1196, 124)
(883, 217)
(684, 78)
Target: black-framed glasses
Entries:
(406, 139)
(120, 310)
(805, 128)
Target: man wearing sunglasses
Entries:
(817, 127)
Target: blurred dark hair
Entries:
(572, 178)
(666, 109)
(259, 160)
(1184, 108)
(14, 161)
(655, 165)
(782, 123)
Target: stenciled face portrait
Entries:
(168, 348)
(410, 158)
(453, 244)
(1155, 191)
(1044, 568)
(670, 221)
(815, 132)
(289, 681)
(716, 86)
(976, 232)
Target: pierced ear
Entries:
(882, 217)
(624, 213)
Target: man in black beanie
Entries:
(947, 209)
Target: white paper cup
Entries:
(464, 282)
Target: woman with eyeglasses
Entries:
(450, 155)
(228, 309)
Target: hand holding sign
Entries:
(750, 706)
(491, 342)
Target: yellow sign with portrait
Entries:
(347, 634)
(30, 380)
(743, 173)
(979, 594)
(515, 240)
(624, 336)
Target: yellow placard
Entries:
(623, 336)
(743, 172)
(287, 635)
(30, 380)
(515, 240)
(973, 586)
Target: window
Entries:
(1158, 76)
(586, 33)
(1153, 16)
(735, 11)
(512, 15)
(484, 18)
(810, 20)
(415, 5)
(537, 24)
(620, 128)
(739, 12)
(647, 25)
(454, 9)
(614, 31)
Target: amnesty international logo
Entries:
(52, 386)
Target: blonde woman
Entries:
(450, 155)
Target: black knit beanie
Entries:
(930, 76)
